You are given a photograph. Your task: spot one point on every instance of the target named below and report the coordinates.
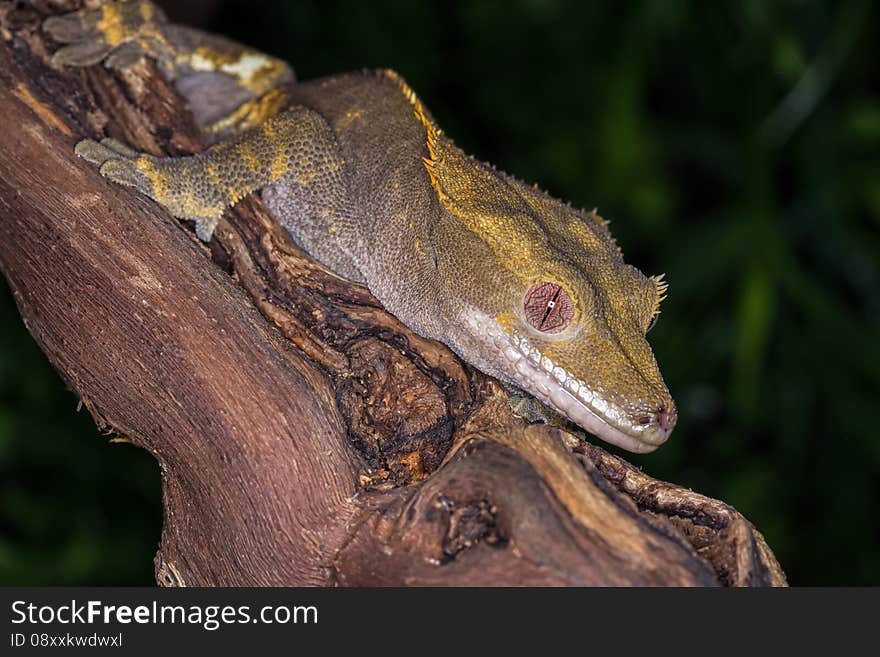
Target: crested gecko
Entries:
(520, 285)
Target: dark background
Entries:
(733, 145)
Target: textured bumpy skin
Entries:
(522, 286)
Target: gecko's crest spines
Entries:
(432, 132)
(660, 286)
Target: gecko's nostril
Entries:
(666, 419)
(645, 420)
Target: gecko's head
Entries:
(578, 344)
(547, 303)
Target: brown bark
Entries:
(305, 436)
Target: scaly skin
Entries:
(520, 285)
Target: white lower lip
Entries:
(536, 381)
(540, 383)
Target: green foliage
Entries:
(733, 145)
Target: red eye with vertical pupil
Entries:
(548, 308)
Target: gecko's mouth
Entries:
(562, 391)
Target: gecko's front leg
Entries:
(172, 182)
(297, 145)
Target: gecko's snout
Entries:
(658, 424)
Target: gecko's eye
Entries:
(548, 308)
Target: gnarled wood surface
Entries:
(305, 436)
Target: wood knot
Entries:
(167, 575)
(469, 524)
(397, 417)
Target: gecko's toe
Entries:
(81, 30)
(205, 227)
(108, 149)
(118, 147)
(72, 27)
(110, 33)
(126, 172)
(85, 53)
(92, 151)
(128, 54)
